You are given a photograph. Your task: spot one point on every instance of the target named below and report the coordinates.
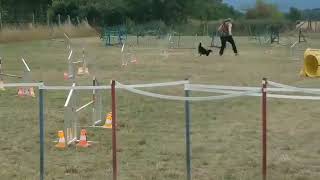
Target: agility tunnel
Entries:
(311, 63)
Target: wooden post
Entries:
(48, 20)
(69, 20)
(114, 130)
(33, 20)
(0, 20)
(264, 129)
(78, 20)
(59, 20)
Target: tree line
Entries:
(115, 12)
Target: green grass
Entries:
(225, 134)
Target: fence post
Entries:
(59, 20)
(41, 128)
(33, 20)
(0, 20)
(264, 128)
(188, 139)
(48, 20)
(114, 130)
(69, 20)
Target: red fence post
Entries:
(114, 131)
(264, 128)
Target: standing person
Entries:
(225, 31)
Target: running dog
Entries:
(203, 51)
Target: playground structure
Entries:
(215, 40)
(76, 67)
(146, 38)
(177, 41)
(114, 36)
(265, 35)
(311, 63)
(79, 67)
(71, 117)
(127, 55)
(67, 41)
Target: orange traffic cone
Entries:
(1, 85)
(21, 92)
(65, 76)
(134, 60)
(62, 142)
(80, 71)
(83, 139)
(108, 123)
(31, 92)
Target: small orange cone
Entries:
(1, 85)
(21, 92)
(80, 71)
(83, 139)
(65, 76)
(134, 60)
(62, 142)
(108, 123)
(31, 92)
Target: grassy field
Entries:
(225, 134)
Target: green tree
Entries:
(294, 14)
(263, 10)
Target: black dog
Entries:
(203, 51)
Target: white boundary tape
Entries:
(182, 98)
(296, 89)
(22, 85)
(283, 88)
(228, 91)
(108, 87)
(275, 96)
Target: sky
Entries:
(283, 5)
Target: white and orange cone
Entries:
(31, 92)
(62, 141)
(134, 60)
(83, 139)
(108, 123)
(1, 85)
(65, 76)
(21, 92)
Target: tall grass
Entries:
(29, 33)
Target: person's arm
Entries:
(230, 28)
(220, 28)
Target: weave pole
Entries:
(264, 129)
(41, 128)
(114, 130)
(188, 140)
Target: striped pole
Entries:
(188, 140)
(41, 128)
(264, 129)
(114, 130)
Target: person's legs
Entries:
(223, 45)
(234, 47)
